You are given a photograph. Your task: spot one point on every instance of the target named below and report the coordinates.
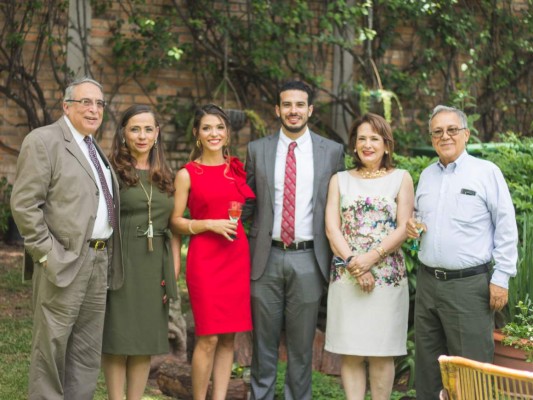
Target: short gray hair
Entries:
(456, 111)
(79, 81)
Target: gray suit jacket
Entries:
(328, 158)
(54, 204)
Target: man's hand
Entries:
(413, 232)
(498, 297)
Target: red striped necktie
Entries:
(289, 197)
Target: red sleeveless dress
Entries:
(218, 271)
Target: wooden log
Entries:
(174, 379)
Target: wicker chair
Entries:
(465, 379)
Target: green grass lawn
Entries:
(15, 332)
(15, 339)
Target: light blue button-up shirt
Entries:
(470, 217)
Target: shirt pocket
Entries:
(468, 209)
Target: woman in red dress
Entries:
(218, 260)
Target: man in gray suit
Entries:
(289, 172)
(65, 203)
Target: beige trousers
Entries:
(67, 332)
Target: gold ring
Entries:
(357, 270)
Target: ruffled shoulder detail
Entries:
(239, 174)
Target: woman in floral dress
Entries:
(368, 298)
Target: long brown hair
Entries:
(380, 126)
(124, 163)
(210, 109)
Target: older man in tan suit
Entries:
(65, 204)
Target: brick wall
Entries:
(121, 92)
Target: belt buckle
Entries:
(440, 275)
(285, 246)
(99, 245)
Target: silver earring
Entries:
(123, 142)
(155, 142)
(386, 152)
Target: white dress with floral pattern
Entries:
(368, 324)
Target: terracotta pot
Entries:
(508, 356)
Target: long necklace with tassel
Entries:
(150, 231)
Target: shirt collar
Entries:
(77, 135)
(301, 141)
(452, 167)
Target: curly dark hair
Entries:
(382, 128)
(124, 163)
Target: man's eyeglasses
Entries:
(437, 133)
(88, 103)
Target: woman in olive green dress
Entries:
(136, 321)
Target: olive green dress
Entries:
(136, 321)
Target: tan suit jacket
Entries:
(54, 204)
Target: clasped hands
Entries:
(359, 267)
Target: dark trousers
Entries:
(290, 291)
(453, 318)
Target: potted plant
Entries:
(519, 332)
(514, 341)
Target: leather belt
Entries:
(448, 274)
(305, 245)
(98, 244)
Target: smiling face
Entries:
(294, 112)
(212, 133)
(449, 148)
(86, 120)
(369, 146)
(140, 134)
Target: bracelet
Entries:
(348, 260)
(381, 251)
(190, 228)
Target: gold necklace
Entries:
(372, 174)
(150, 231)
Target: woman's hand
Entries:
(362, 263)
(224, 227)
(367, 282)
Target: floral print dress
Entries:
(368, 324)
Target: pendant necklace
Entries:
(150, 231)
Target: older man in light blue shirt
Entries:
(467, 255)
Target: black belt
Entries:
(305, 245)
(447, 274)
(98, 244)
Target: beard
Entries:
(294, 128)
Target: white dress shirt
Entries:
(102, 229)
(469, 216)
(303, 222)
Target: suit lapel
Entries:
(269, 159)
(319, 158)
(73, 148)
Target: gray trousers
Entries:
(289, 291)
(67, 332)
(453, 318)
